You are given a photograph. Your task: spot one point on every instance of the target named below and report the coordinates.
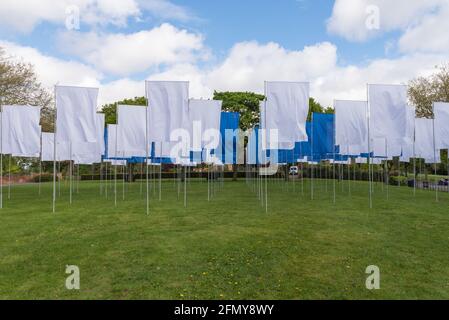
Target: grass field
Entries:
(228, 248)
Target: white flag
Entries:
(76, 114)
(351, 126)
(5, 131)
(204, 119)
(131, 131)
(100, 133)
(62, 150)
(168, 108)
(388, 111)
(112, 151)
(424, 145)
(287, 107)
(24, 130)
(441, 112)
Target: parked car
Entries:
(294, 171)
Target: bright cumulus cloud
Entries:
(119, 60)
(25, 15)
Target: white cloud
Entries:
(125, 54)
(249, 64)
(51, 70)
(246, 68)
(349, 17)
(25, 15)
(430, 35)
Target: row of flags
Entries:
(189, 131)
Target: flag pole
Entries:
(334, 137)
(40, 166)
(9, 177)
(265, 154)
(434, 151)
(147, 152)
(160, 177)
(123, 178)
(1, 153)
(54, 152)
(70, 171)
(369, 150)
(311, 161)
(185, 187)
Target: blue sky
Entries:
(228, 45)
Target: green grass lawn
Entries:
(228, 248)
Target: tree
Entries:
(423, 91)
(316, 107)
(19, 85)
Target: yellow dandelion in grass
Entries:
(181, 295)
(204, 273)
(221, 295)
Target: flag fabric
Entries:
(424, 145)
(100, 133)
(168, 108)
(5, 131)
(441, 113)
(24, 136)
(131, 131)
(286, 110)
(204, 117)
(388, 111)
(85, 153)
(351, 124)
(76, 119)
(62, 150)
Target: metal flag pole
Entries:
(147, 151)
(141, 179)
(311, 162)
(160, 178)
(106, 181)
(78, 178)
(1, 153)
(70, 172)
(387, 174)
(265, 155)
(123, 178)
(368, 116)
(434, 151)
(9, 177)
(115, 169)
(40, 167)
(349, 172)
(334, 138)
(59, 179)
(101, 177)
(208, 182)
(185, 187)
(54, 152)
